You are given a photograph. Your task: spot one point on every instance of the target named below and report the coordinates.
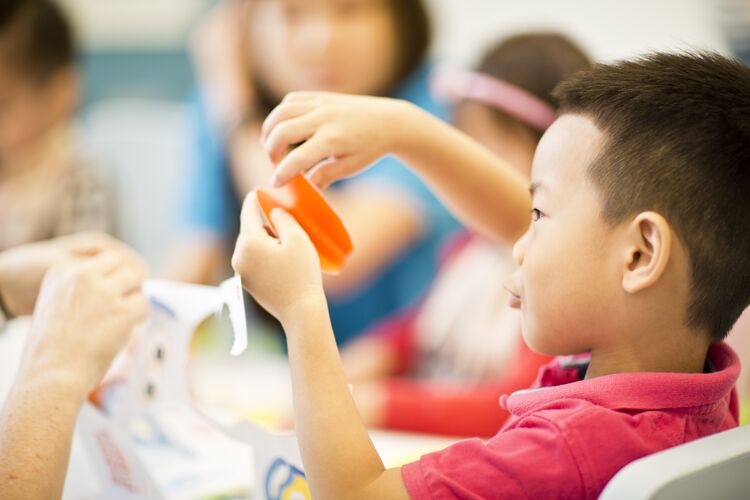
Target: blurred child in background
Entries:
(46, 187)
(248, 55)
(441, 367)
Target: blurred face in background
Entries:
(30, 108)
(345, 46)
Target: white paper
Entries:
(231, 290)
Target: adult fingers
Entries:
(104, 263)
(88, 244)
(136, 306)
(127, 280)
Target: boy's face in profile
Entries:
(569, 280)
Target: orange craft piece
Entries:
(319, 220)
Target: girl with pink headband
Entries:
(415, 371)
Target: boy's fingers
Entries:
(301, 96)
(299, 160)
(286, 225)
(282, 113)
(329, 171)
(251, 221)
(288, 133)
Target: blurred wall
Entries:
(609, 29)
(138, 77)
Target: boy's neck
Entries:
(683, 352)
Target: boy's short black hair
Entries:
(35, 38)
(677, 130)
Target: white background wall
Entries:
(607, 28)
(610, 28)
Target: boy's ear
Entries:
(648, 250)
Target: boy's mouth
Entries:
(514, 302)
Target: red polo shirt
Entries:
(568, 437)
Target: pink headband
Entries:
(454, 84)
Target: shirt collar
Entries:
(631, 391)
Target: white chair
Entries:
(714, 467)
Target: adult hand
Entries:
(278, 272)
(85, 313)
(22, 268)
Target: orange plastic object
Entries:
(319, 220)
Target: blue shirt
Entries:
(213, 208)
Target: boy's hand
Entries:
(23, 268)
(86, 311)
(279, 272)
(349, 132)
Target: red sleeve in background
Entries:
(458, 408)
(398, 333)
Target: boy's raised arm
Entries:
(352, 132)
(284, 277)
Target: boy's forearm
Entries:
(4, 280)
(36, 429)
(481, 189)
(338, 456)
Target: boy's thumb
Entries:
(285, 224)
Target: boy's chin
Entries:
(540, 344)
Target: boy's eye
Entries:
(536, 214)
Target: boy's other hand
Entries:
(342, 134)
(85, 313)
(280, 272)
(23, 268)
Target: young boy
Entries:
(636, 254)
(45, 188)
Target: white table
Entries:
(254, 385)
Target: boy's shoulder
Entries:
(570, 402)
(579, 433)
